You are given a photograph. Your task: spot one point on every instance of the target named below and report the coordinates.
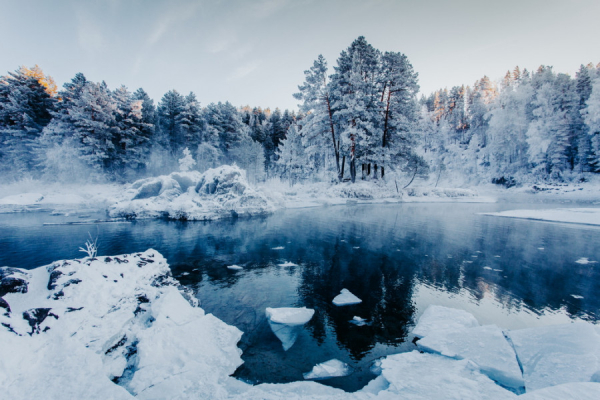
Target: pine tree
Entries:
(170, 115)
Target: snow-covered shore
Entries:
(121, 327)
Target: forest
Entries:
(362, 120)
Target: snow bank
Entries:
(484, 345)
(443, 319)
(78, 326)
(552, 355)
(218, 193)
(290, 315)
(587, 216)
(346, 298)
(566, 391)
(328, 369)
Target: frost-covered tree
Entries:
(187, 162)
(26, 105)
(591, 116)
(170, 115)
(292, 157)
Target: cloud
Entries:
(243, 70)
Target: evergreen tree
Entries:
(170, 116)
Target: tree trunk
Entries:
(335, 148)
(385, 124)
(413, 177)
(382, 172)
(375, 172)
(353, 169)
(341, 176)
(369, 170)
(363, 171)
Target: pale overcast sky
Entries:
(255, 52)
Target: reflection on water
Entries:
(397, 258)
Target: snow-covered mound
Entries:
(587, 216)
(328, 369)
(443, 319)
(346, 298)
(217, 193)
(110, 327)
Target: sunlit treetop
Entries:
(45, 80)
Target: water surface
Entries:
(398, 258)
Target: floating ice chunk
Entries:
(488, 268)
(358, 321)
(288, 264)
(419, 376)
(356, 247)
(290, 315)
(541, 248)
(576, 296)
(469, 262)
(474, 256)
(585, 261)
(566, 391)
(497, 270)
(478, 251)
(185, 273)
(552, 355)
(445, 319)
(497, 256)
(328, 369)
(278, 248)
(235, 267)
(287, 334)
(343, 241)
(484, 345)
(345, 298)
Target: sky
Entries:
(254, 52)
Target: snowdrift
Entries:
(218, 193)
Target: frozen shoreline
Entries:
(121, 327)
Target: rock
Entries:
(12, 280)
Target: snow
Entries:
(576, 296)
(444, 319)
(218, 193)
(278, 248)
(484, 345)
(328, 369)
(346, 298)
(235, 267)
(587, 216)
(552, 355)
(290, 315)
(120, 318)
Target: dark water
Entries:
(397, 258)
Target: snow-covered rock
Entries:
(419, 376)
(84, 324)
(289, 315)
(346, 298)
(328, 369)
(484, 345)
(217, 193)
(443, 319)
(552, 355)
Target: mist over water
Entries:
(397, 258)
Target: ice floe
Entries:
(329, 369)
(484, 345)
(288, 264)
(346, 298)
(217, 193)
(286, 323)
(585, 261)
(552, 355)
(235, 267)
(444, 319)
(588, 216)
(278, 248)
(290, 315)
(358, 321)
